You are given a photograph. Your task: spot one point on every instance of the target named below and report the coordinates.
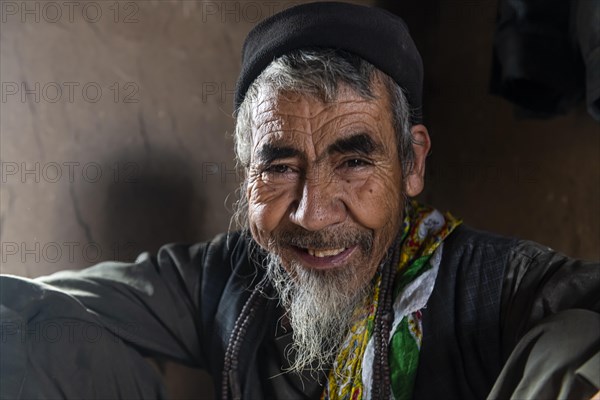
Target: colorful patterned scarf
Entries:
(423, 231)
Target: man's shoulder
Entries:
(466, 239)
(467, 242)
(465, 235)
(471, 256)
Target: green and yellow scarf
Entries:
(423, 231)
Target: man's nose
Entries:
(319, 204)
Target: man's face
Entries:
(325, 182)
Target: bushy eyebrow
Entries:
(360, 143)
(269, 153)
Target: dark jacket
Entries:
(84, 334)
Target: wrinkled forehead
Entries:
(284, 117)
(272, 100)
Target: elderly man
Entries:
(339, 286)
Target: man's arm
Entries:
(53, 347)
(83, 333)
(152, 304)
(540, 282)
(550, 323)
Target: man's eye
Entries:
(355, 163)
(278, 169)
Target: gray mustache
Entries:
(322, 240)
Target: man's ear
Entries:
(414, 179)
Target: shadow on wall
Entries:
(149, 203)
(159, 198)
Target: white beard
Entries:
(320, 307)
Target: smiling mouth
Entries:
(324, 258)
(325, 253)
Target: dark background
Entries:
(89, 175)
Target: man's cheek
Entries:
(264, 218)
(260, 226)
(376, 201)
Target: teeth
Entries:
(324, 253)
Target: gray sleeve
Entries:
(550, 324)
(540, 282)
(83, 334)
